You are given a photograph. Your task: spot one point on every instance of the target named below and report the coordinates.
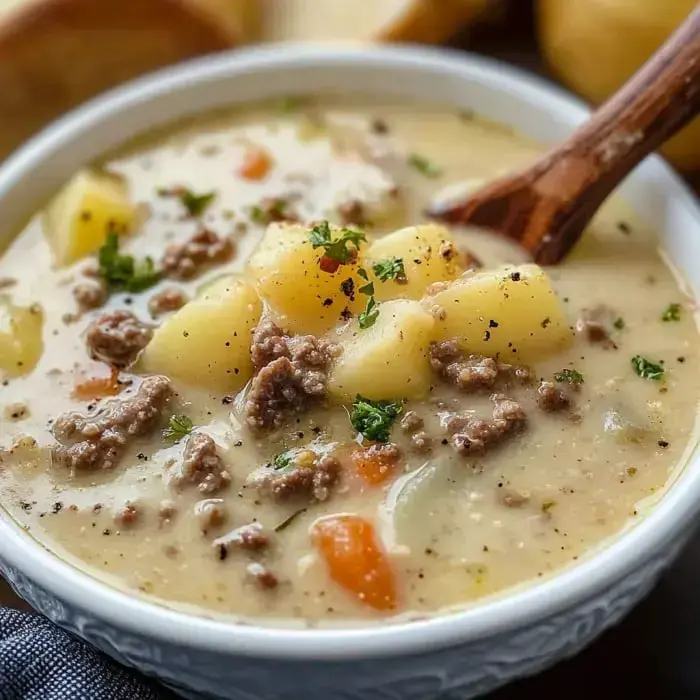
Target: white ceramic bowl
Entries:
(457, 656)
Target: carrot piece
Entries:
(257, 164)
(376, 463)
(98, 387)
(355, 559)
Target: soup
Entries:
(243, 374)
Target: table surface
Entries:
(654, 653)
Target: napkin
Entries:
(39, 661)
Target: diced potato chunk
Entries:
(303, 298)
(77, 221)
(428, 253)
(511, 312)
(389, 360)
(207, 342)
(21, 338)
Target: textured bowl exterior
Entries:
(457, 656)
(455, 673)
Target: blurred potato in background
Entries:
(594, 46)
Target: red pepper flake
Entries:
(329, 265)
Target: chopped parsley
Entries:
(337, 249)
(282, 461)
(368, 317)
(424, 166)
(373, 419)
(390, 269)
(672, 313)
(195, 204)
(647, 369)
(122, 272)
(568, 376)
(270, 210)
(619, 323)
(179, 426)
(290, 103)
(289, 520)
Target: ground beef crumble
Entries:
(168, 299)
(250, 538)
(210, 513)
(185, 260)
(292, 373)
(472, 435)
(117, 337)
(473, 372)
(413, 424)
(552, 398)
(594, 324)
(90, 294)
(201, 466)
(90, 443)
(262, 576)
(308, 483)
(128, 515)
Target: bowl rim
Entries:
(506, 613)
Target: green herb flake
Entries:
(548, 505)
(619, 323)
(390, 269)
(647, 369)
(195, 204)
(290, 103)
(672, 313)
(179, 426)
(321, 236)
(424, 166)
(368, 317)
(122, 272)
(282, 461)
(289, 520)
(373, 419)
(568, 376)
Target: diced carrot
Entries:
(356, 560)
(257, 164)
(98, 387)
(376, 463)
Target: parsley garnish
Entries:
(195, 204)
(672, 313)
(569, 376)
(179, 426)
(390, 269)
(373, 419)
(368, 317)
(282, 461)
(424, 166)
(320, 236)
(268, 211)
(647, 369)
(290, 103)
(122, 271)
(619, 323)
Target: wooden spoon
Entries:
(547, 206)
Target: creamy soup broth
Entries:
(447, 527)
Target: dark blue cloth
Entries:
(39, 661)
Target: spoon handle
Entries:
(655, 103)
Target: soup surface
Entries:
(235, 381)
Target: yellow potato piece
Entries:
(389, 360)
(21, 338)
(207, 342)
(512, 312)
(428, 253)
(621, 35)
(301, 296)
(77, 221)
